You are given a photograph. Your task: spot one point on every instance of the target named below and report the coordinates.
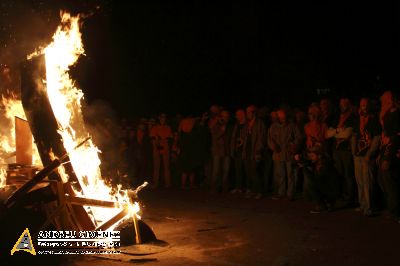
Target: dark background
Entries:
(143, 57)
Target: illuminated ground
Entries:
(202, 229)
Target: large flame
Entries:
(65, 99)
(12, 107)
(3, 174)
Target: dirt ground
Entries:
(205, 229)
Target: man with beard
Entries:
(389, 153)
(365, 144)
(342, 154)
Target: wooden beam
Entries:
(90, 202)
(113, 220)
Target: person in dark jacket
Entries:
(236, 150)
(284, 140)
(221, 137)
(365, 146)
(189, 158)
(321, 176)
(342, 133)
(389, 154)
(253, 149)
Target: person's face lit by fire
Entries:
(314, 157)
(214, 111)
(313, 113)
(324, 105)
(300, 116)
(364, 106)
(141, 127)
(225, 115)
(281, 116)
(151, 124)
(162, 119)
(344, 105)
(274, 117)
(241, 116)
(251, 112)
(387, 100)
(131, 133)
(312, 116)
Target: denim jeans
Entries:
(364, 172)
(389, 182)
(344, 165)
(157, 157)
(284, 179)
(253, 181)
(239, 173)
(220, 173)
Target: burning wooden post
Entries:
(44, 128)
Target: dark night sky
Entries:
(147, 56)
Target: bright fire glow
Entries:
(12, 107)
(65, 99)
(3, 175)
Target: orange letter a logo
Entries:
(24, 243)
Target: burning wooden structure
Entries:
(69, 187)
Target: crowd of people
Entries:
(347, 154)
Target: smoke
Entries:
(26, 26)
(102, 124)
